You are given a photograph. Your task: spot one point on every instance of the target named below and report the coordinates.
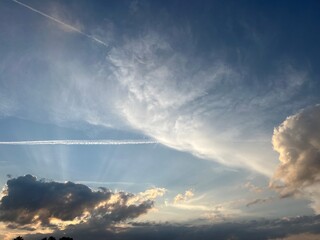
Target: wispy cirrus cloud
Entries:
(202, 104)
(68, 26)
(145, 84)
(183, 103)
(80, 142)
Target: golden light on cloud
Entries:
(183, 197)
(297, 141)
(149, 194)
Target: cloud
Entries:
(183, 197)
(34, 204)
(253, 188)
(259, 201)
(65, 25)
(198, 103)
(182, 101)
(297, 141)
(81, 142)
(149, 194)
(245, 230)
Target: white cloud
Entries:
(297, 141)
(188, 105)
(183, 197)
(81, 142)
(149, 194)
(201, 106)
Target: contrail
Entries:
(80, 142)
(62, 23)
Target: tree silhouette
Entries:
(18, 238)
(50, 238)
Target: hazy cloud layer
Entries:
(246, 230)
(28, 202)
(297, 140)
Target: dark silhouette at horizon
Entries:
(50, 238)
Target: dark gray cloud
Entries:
(28, 202)
(259, 201)
(297, 140)
(246, 230)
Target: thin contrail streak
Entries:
(80, 142)
(62, 23)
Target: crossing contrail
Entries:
(62, 23)
(80, 142)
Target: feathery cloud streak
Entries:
(182, 102)
(80, 142)
(62, 23)
(202, 105)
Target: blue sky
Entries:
(226, 91)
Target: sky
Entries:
(163, 119)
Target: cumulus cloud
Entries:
(149, 194)
(183, 197)
(297, 141)
(30, 203)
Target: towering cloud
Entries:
(297, 140)
(31, 203)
